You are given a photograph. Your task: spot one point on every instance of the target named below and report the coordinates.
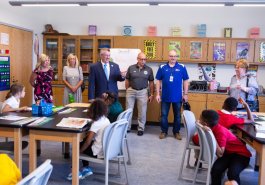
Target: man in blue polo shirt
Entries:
(171, 77)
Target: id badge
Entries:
(171, 78)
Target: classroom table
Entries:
(15, 131)
(50, 132)
(247, 133)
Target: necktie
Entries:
(106, 71)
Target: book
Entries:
(176, 31)
(254, 32)
(92, 30)
(72, 122)
(201, 30)
(151, 31)
(228, 32)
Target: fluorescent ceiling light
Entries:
(118, 4)
(189, 4)
(252, 5)
(49, 5)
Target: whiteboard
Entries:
(124, 58)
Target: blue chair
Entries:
(127, 114)
(207, 151)
(39, 176)
(113, 140)
(190, 129)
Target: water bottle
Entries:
(71, 98)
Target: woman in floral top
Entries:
(41, 79)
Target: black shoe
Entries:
(195, 164)
(128, 131)
(140, 133)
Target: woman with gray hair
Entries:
(244, 85)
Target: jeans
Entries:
(165, 106)
(233, 162)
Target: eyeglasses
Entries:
(173, 56)
(143, 59)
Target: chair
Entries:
(127, 114)
(190, 129)
(207, 151)
(39, 176)
(113, 142)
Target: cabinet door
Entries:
(58, 95)
(69, 45)
(151, 46)
(102, 42)
(261, 103)
(197, 103)
(177, 44)
(219, 50)
(86, 55)
(196, 49)
(125, 42)
(216, 101)
(260, 51)
(242, 48)
(51, 48)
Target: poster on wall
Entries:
(175, 45)
(4, 73)
(262, 52)
(150, 49)
(219, 51)
(207, 72)
(242, 49)
(195, 50)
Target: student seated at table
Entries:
(232, 153)
(9, 172)
(115, 107)
(12, 102)
(227, 119)
(92, 144)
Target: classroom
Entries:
(143, 25)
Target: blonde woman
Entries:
(73, 79)
(41, 79)
(243, 85)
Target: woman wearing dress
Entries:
(239, 87)
(41, 79)
(73, 79)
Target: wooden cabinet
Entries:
(86, 53)
(261, 103)
(219, 50)
(102, 42)
(58, 95)
(197, 103)
(125, 42)
(51, 48)
(259, 51)
(242, 48)
(188, 49)
(215, 101)
(151, 46)
(173, 43)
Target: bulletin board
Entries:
(125, 58)
(4, 73)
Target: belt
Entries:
(139, 88)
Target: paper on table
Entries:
(73, 122)
(66, 111)
(260, 135)
(78, 105)
(12, 117)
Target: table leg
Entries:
(32, 153)
(18, 147)
(262, 166)
(75, 159)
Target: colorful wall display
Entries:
(4, 73)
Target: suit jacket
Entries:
(98, 83)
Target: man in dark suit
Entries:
(103, 76)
